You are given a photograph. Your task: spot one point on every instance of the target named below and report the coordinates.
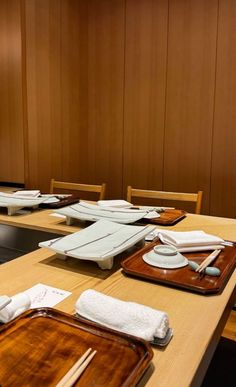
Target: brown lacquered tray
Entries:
(38, 348)
(184, 278)
(62, 203)
(167, 217)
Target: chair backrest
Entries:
(78, 187)
(186, 197)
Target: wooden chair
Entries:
(78, 187)
(186, 197)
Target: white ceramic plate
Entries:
(93, 213)
(99, 242)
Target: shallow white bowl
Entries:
(165, 257)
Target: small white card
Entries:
(46, 296)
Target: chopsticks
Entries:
(76, 370)
(208, 261)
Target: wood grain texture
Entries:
(223, 182)
(92, 54)
(145, 82)
(106, 28)
(190, 96)
(43, 64)
(11, 111)
(50, 358)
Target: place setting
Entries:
(103, 331)
(192, 260)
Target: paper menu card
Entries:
(42, 295)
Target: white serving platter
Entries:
(13, 203)
(99, 242)
(93, 213)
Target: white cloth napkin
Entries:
(19, 304)
(182, 239)
(114, 203)
(127, 317)
(31, 193)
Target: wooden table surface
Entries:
(197, 320)
(44, 220)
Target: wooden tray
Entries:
(184, 278)
(62, 203)
(39, 347)
(167, 218)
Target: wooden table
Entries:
(197, 320)
(44, 220)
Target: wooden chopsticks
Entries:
(208, 261)
(76, 370)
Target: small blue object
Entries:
(210, 270)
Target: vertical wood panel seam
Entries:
(165, 98)
(24, 91)
(124, 78)
(60, 85)
(214, 107)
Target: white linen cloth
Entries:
(114, 203)
(30, 193)
(127, 317)
(19, 304)
(193, 240)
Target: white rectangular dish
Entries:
(93, 213)
(13, 203)
(99, 242)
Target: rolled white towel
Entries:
(127, 317)
(18, 304)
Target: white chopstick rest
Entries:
(18, 304)
(127, 317)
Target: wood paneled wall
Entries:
(11, 116)
(75, 73)
(136, 92)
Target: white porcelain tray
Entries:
(13, 203)
(93, 212)
(99, 242)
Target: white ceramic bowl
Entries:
(165, 257)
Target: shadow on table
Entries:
(87, 267)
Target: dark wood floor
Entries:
(230, 328)
(221, 372)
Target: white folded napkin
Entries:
(31, 193)
(181, 239)
(19, 304)
(127, 317)
(114, 203)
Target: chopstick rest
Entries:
(213, 271)
(209, 259)
(127, 317)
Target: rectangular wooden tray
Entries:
(62, 203)
(184, 278)
(167, 217)
(40, 346)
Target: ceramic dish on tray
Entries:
(99, 242)
(165, 257)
